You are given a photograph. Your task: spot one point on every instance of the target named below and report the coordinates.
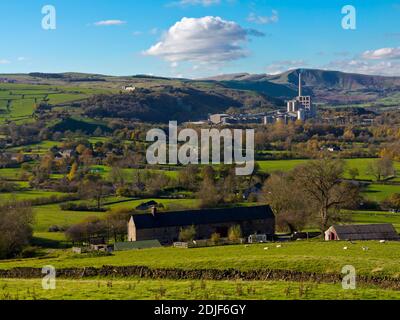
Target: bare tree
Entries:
(208, 194)
(287, 201)
(325, 190)
(94, 187)
(381, 168)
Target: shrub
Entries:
(235, 233)
(83, 207)
(188, 234)
(215, 238)
(29, 252)
(56, 229)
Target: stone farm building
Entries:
(165, 227)
(362, 232)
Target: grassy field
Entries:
(287, 165)
(376, 217)
(313, 256)
(28, 195)
(50, 215)
(380, 192)
(23, 98)
(139, 289)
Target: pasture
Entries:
(303, 256)
(287, 165)
(140, 289)
(380, 192)
(51, 215)
(23, 98)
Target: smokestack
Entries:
(300, 86)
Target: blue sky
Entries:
(197, 38)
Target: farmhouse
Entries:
(362, 232)
(165, 227)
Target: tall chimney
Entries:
(300, 86)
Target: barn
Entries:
(362, 232)
(165, 227)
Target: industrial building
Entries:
(300, 108)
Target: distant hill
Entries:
(172, 103)
(158, 99)
(331, 87)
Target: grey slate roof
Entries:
(366, 232)
(201, 217)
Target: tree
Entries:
(117, 176)
(215, 238)
(16, 220)
(381, 168)
(117, 223)
(188, 177)
(354, 173)
(393, 202)
(324, 188)
(235, 233)
(94, 187)
(187, 234)
(208, 194)
(91, 229)
(287, 201)
(73, 172)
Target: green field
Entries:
(288, 165)
(314, 256)
(376, 217)
(50, 215)
(380, 192)
(28, 195)
(23, 97)
(139, 289)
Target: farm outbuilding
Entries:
(362, 232)
(165, 227)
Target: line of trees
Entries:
(100, 230)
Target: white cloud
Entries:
(385, 68)
(106, 23)
(208, 39)
(384, 53)
(4, 61)
(204, 3)
(284, 65)
(274, 18)
(137, 33)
